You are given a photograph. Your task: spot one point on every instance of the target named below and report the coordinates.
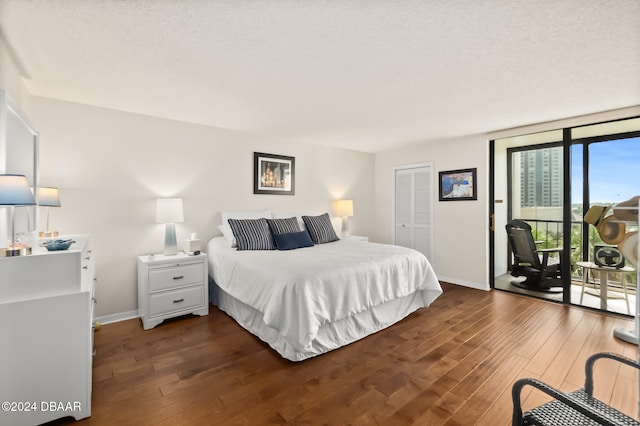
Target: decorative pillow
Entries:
(320, 228)
(276, 215)
(292, 240)
(252, 234)
(283, 226)
(239, 214)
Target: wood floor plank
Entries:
(567, 354)
(478, 402)
(547, 352)
(452, 363)
(622, 397)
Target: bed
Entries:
(312, 300)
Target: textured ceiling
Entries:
(367, 75)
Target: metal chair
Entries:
(575, 408)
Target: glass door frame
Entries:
(566, 206)
(586, 199)
(567, 143)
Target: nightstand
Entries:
(356, 238)
(171, 286)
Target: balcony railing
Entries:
(548, 234)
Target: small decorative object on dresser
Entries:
(171, 286)
(56, 245)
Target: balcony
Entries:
(586, 283)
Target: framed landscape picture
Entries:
(273, 174)
(458, 185)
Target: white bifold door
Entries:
(413, 209)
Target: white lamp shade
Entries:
(48, 197)
(343, 208)
(14, 191)
(169, 210)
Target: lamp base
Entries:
(47, 234)
(345, 227)
(15, 251)
(170, 242)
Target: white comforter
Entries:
(299, 290)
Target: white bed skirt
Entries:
(331, 335)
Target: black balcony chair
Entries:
(574, 408)
(542, 272)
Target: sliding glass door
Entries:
(528, 186)
(605, 172)
(550, 180)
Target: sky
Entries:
(614, 171)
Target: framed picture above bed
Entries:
(273, 174)
(458, 185)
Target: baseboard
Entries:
(464, 283)
(122, 316)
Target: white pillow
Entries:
(239, 214)
(227, 233)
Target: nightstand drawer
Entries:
(176, 300)
(175, 276)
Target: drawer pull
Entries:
(85, 267)
(178, 301)
(178, 278)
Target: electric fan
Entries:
(608, 256)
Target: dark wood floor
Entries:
(450, 364)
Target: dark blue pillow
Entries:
(292, 240)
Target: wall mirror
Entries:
(18, 155)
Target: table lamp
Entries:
(169, 212)
(48, 197)
(14, 191)
(344, 209)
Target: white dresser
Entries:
(171, 286)
(46, 334)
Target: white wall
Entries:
(461, 232)
(11, 80)
(111, 166)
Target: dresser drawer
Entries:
(176, 300)
(175, 276)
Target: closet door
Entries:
(413, 209)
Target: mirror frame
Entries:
(9, 108)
